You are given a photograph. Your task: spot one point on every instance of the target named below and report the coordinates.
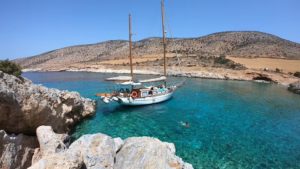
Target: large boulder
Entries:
(49, 141)
(51, 153)
(16, 151)
(148, 153)
(295, 87)
(99, 151)
(24, 106)
(93, 151)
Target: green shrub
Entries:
(277, 70)
(11, 68)
(221, 59)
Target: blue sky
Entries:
(30, 27)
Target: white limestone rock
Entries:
(99, 151)
(148, 153)
(24, 106)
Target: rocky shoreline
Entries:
(208, 73)
(24, 106)
(34, 127)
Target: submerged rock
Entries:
(24, 106)
(101, 151)
(16, 151)
(295, 87)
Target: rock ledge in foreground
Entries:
(24, 106)
(95, 151)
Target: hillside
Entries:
(234, 44)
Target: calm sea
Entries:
(233, 124)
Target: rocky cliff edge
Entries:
(24, 106)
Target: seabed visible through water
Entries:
(233, 124)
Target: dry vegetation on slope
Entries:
(191, 50)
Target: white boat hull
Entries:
(145, 100)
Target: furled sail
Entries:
(130, 83)
(119, 78)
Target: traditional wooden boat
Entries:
(141, 92)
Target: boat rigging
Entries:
(141, 92)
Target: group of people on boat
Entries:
(143, 92)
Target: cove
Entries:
(233, 124)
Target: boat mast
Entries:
(130, 48)
(164, 34)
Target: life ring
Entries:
(134, 94)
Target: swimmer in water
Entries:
(185, 124)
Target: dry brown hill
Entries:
(236, 44)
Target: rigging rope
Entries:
(172, 39)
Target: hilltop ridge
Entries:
(244, 44)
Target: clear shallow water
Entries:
(232, 124)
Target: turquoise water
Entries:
(233, 124)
